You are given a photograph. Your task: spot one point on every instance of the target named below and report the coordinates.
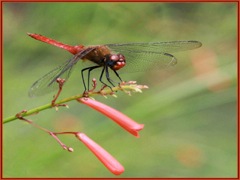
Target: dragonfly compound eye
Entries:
(121, 57)
(117, 61)
(114, 57)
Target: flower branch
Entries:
(126, 87)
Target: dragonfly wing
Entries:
(157, 47)
(151, 56)
(48, 83)
(139, 62)
(43, 86)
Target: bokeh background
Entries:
(189, 111)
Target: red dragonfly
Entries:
(127, 57)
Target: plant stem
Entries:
(40, 108)
(130, 87)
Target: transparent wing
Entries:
(156, 47)
(48, 83)
(151, 56)
(142, 62)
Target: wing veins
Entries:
(156, 47)
(52, 76)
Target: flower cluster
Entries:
(124, 121)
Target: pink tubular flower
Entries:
(121, 119)
(110, 162)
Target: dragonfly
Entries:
(118, 58)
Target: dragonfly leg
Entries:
(107, 75)
(89, 70)
(118, 75)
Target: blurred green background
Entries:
(189, 111)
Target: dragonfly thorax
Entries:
(115, 61)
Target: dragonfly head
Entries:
(116, 61)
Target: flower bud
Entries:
(118, 117)
(109, 162)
